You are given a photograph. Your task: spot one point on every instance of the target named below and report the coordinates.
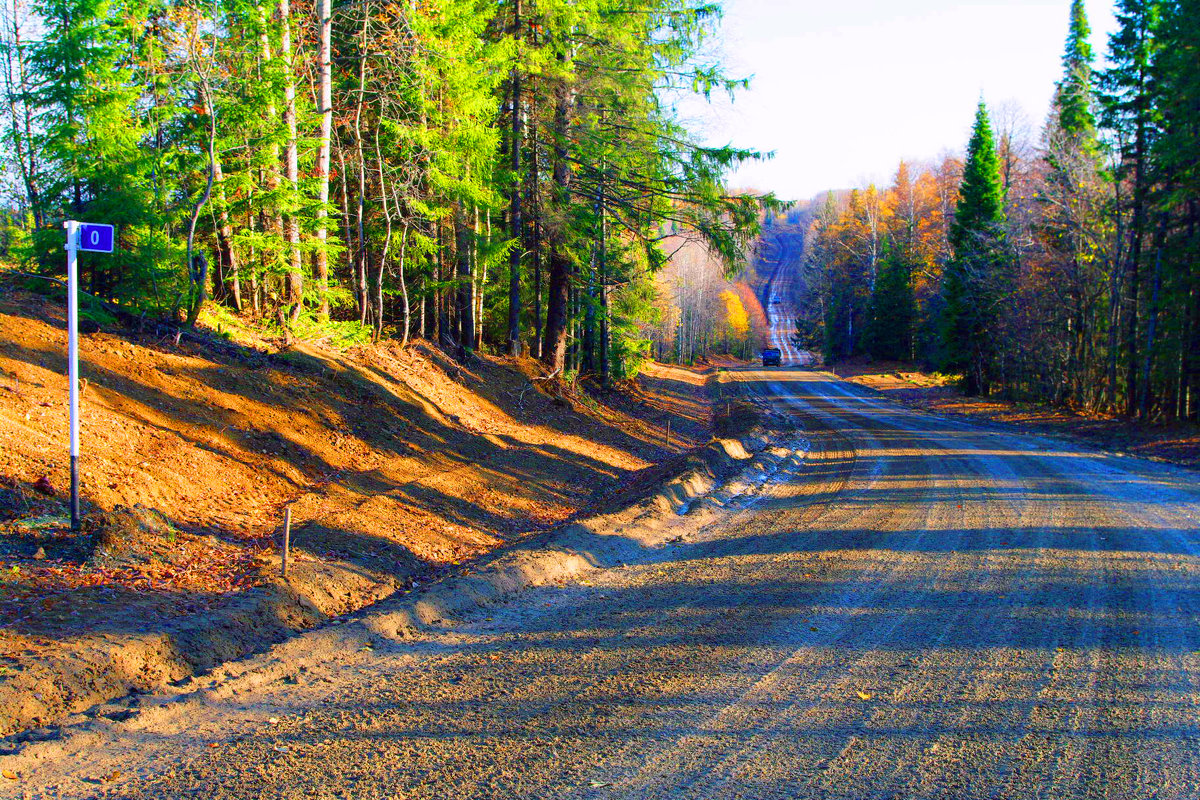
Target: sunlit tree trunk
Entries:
(325, 101)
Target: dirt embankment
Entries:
(1178, 444)
(397, 465)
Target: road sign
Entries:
(95, 237)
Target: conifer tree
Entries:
(368, 141)
(892, 306)
(1170, 372)
(976, 279)
(1075, 205)
(1129, 113)
(1074, 96)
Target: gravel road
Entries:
(930, 609)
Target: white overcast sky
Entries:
(844, 89)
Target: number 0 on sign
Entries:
(96, 238)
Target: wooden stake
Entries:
(287, 538)
(668, 432)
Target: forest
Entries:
(1062, 267)
(505, 175)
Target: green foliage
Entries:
(91, 141)
(339, 335)
(976, 279)
(167, 118)
(1074, 96)
(1080, 286)
(634, 309)
(893, 309)
(979, 215)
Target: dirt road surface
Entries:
(781, 312)
(930, 609)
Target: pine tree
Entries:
(387, 124)
(976, 279)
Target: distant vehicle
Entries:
(772, 357)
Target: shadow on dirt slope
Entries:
(396, 464)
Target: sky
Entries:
(842, 90)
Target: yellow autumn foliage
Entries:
(735, 314)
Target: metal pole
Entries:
(73, 360)
(287, 540)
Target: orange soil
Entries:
(395, 457)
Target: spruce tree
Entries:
(1074, 96)
(1129, 112)
(1075, 202)
(1170, 369)
(892, 306)
(88, 70)
(975, 278)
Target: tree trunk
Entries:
(272, 217)
(197, 265)
(1191, 408)
(361, 260)
(226, 254)
(325, 101)
(253, 277)
(481, 281)
(480, 278)
(404, 287)
(605, 335)
(1116, 280)
(1137, 229)
(295, 277)
(387, 239)
(347, 235)
(535, 250)
(1151, 329)
(466, 283)
(445, 256)
(554, 349)
(514, 256)
(587, 361)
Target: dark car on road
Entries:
(772, 357)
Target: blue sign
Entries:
(96, 238)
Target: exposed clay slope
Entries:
(396, 464)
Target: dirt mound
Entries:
(737, 418)
(133, 535)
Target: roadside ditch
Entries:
(324, 606)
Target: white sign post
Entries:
(95, 238)
(73, 359)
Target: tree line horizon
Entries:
(512, 176)
(479, 174)
(1064, 269)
